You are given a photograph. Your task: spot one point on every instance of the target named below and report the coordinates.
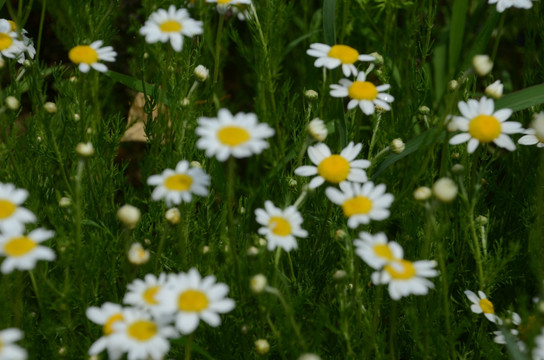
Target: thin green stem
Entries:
(183, 229)
(231, 210)
(374, 133)
(35, 287)
(498, 38)
(218, 48)
(40, 30)
(188, 347)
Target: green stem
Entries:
(374, 133)
(188, 347)
(78, 205)
(445, 298)
(40, 31)
(160, 248)
(231, 209)
(498, 38)
(183, 228)
(35, 287)
(218, 48)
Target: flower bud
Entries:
(196, 164)
(317, 129)
(397, 145)
(202, 73)
(340, 234)
(311, 94)
(424, 110)
(262, 242)
(458, 169)
(258, 283)
(482, 64)
(77, 117)
(339, 276)
(185, 102)
(481, 220)
(50, 107)
(445, 190)
(12, 103)
(85, 149)
(205, 249)
(137, 255)
(262, 346)
(538, 125)
(2, 63)
(453, 85)
(378, 58)
(27, 63)
(173, 216)
(252, 251)
(422, 193)
(494, 90)
(129, 215)
(65, 202)
(309, 356)
(292, 183)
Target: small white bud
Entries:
(445, 190)
(424, 110)
(451, 124)
(185, 102)
(62, 350)
(458, 169)
(173, 216)
(50, 107)
(397, 145)
(262, 346)
(77, 117)
(89, 131)
(494, 90)
(65, 202)
(262, 242)
(27, 63)
(147, 242)
(2, 63)
(292, 182)
(378, 57)
(453, 85)
(202, 73)
(205, 249)
(482, 220)
(196, 164)
(311, 94)
(309, 356)
(258, 283)
(38, 138)
(252, 251)
(12, 103)
(73, 79)
(129, 215)
(85, 149)
(317, 129)
(340, 234)
(482, 64)
(146, 55)
(137, 255)
(339, 276)
(422, 193)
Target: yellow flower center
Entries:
(19, 246)
(149, 295)
(178, 182)
(7, 208)
(401, 270)
(344, 53)
(142, 330)
(357, 205)
(383, 251)
(108, 326)
(5, 41)
(223, 2)
(363, 90)
(484, 128)
(334, 169)
(83, 54)
(170, 26)
(192, 300)
(13, 25)
(233, 135)
(279, 226)
(487, 306)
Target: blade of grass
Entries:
(457, 30)
(522, 99)
(329, 7)
(481, 41)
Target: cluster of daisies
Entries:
(158, 309)
(14, 44)
(20, 249)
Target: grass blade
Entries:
(329, 7)
(522, 99)
(457, 30)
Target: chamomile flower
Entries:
(363, 93)
(239, 135)
(481, 304)
(515, 320)
(10, 46)
(106, 315)
(538, 350)
(178, 185)
(376, 251)
(171, 24)
(334, 168)
(141, 293)
(30, 50)
(280, 226)
(88, 56)
(480, 125)
(140, 336)
(406, 277)
(191, 298)
(505, 4)
(224, 5)
(361, 203)
(242, 11)
(9, 350)
(12, 216)
(23, 251)
(332, 57)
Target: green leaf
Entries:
(329, 6)
(481, 41)
(522, 99)
(439, 70)
(457, 29)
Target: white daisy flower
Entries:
(538, 350)
(505, 4)
(9, 350)
(137, 255)
(280, 226)
(170, 25)
(481, 304)
(515, 320)
(376, 251)
(141, 293)
(88, 56)
(239, 135)
(106, 315)
(405, 277)
(10, 47)
(361, 203)
(29, 44)
(480, 125)
(191, 298)
(224, 5)
(23, 251)
(242, 11)
(178, 185)
(332, 57)
(334, 168)
(12, 216)
(140, 336)
(363, 93)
